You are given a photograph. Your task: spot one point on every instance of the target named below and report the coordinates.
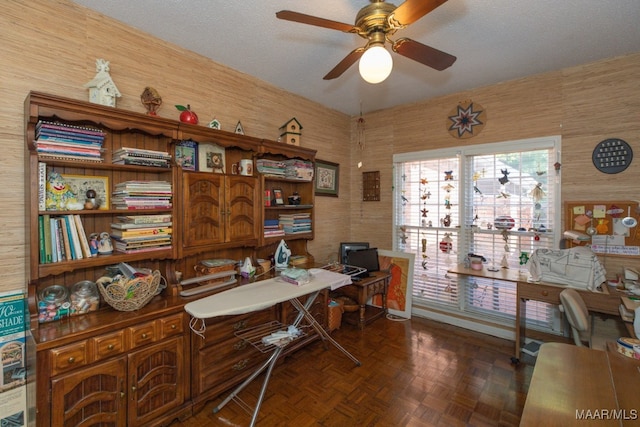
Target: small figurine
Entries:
(105, 247)
(294, 199)
(91, 202)
(93, 244)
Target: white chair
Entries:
(577, 315)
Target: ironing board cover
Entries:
(266, 293)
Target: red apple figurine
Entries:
(187, 116)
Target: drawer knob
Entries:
(240, 365)
(144, 336)
(72, 359)
(111, 347)
(545, 293)
(174, 326)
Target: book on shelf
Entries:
(67, 128)
(41, 246)
(66, 234)
(147, 249)
(141, 161)
(82, 236)
(131, 226)
(59, 241)
(46, 225)
(140, 152)
(144, 219)
(140, 232)
(42, 185)
(76, 244)
(130, 244)
(52, 156)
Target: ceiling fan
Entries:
(376, 22)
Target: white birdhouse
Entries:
(102, 89)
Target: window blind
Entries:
(498, 200)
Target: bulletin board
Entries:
(605, 223)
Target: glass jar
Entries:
(84, 297)
(53, 303)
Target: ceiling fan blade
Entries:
(424, 54)
(314, 20)
(412, 10)
(347, 62)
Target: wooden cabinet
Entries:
(219, 209)
(220, 359)
(135, 368)
(130, 377)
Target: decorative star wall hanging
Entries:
(466, 120)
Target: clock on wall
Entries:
(612, 155)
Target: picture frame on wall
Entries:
(327, 178)
(278, 198)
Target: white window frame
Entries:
(458, 315)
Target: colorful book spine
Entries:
(77, 248)
(42, 183)
(46, 223)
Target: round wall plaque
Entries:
(612, 155)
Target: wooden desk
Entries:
(362, 290)
(545, 292)
(571, 382)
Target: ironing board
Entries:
(260, 295)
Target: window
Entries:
(497, 200)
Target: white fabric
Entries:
(266, 293)
(577, 267)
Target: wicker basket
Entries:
(132, 294)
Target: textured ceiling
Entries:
(494, 41)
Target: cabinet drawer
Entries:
(171, 326)
(108, 345)
(142, 334)
(544, 293)
(222, 329)
(68, 357)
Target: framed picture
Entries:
(187, 154)
(400, 265)
(278, 199)
(79, 185)
(210, 158)
(327, 178)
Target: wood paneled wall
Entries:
(52, 45)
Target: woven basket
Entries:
(132, 294)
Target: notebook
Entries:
(365, 258)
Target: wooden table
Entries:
(581, 386)
(362, 290)
(606, 302)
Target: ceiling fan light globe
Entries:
(375, 64)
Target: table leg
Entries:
(521, 326)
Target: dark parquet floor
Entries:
(413, 373)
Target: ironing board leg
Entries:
(304, 311)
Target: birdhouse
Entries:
(102, 89)
(291, 132)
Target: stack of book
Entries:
(67, 142)
(134, 195)
(141, 157)
(271, 167)
(143, 233)
(299, 169)
(62, 238)
(272, 228)
(295, 223)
